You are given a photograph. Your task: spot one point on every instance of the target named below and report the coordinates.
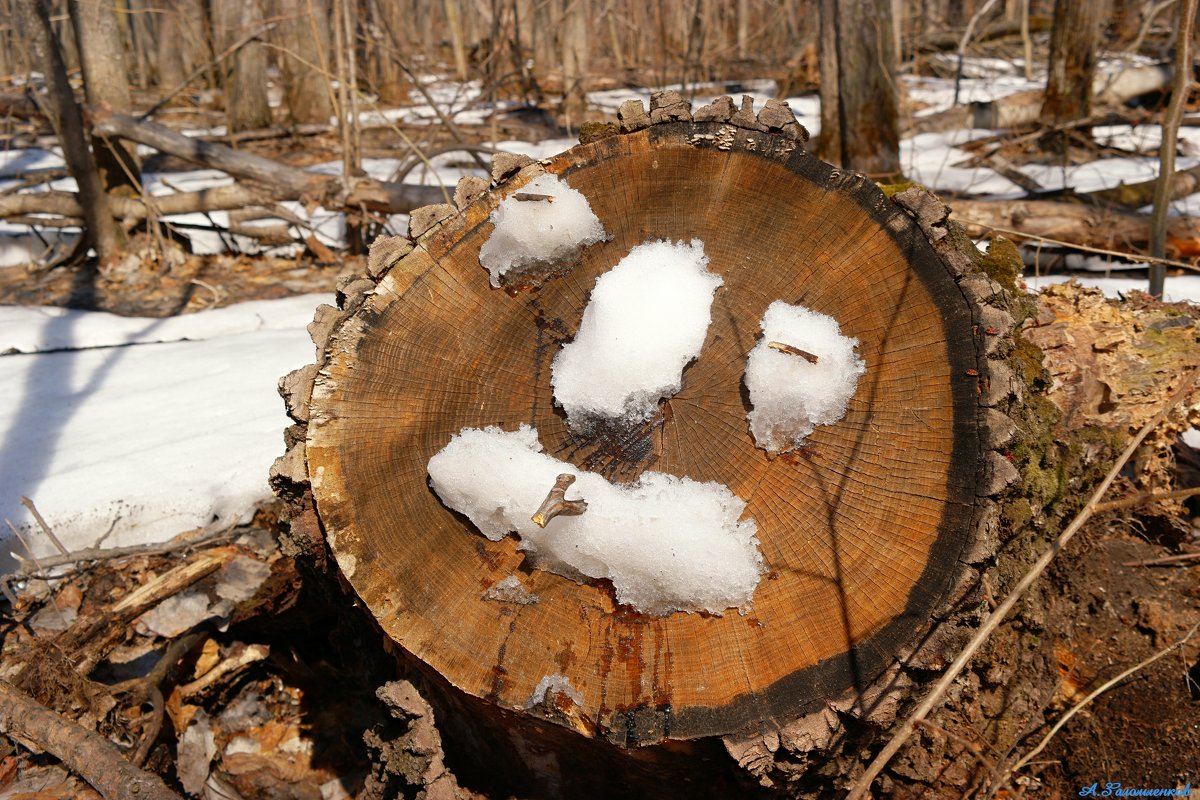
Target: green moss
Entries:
(594, 131)
(1002, 263)
(891, 189)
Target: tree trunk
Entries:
(859, 105)
(106, 84)
(1074, 48)
(869, 534)
(575, 62)
(305, 62)
(60, 106)
(245, 72)
(169, 43)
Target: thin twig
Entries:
(1155, 562)
(1146, 497)
(934, 698)
(1099, 690)
(41, 521)
(94, 554)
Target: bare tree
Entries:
(1074, 40)
(859, 106)
(575, 61)
(304, 62)
(245, 76)
(64, 113)
(105, 83)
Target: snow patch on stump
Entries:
(666, 543)
(647, 319)
(789, 394)
(535, 235)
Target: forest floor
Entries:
(239, 676)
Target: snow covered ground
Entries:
(134, 430)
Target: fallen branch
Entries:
(934, 699)
(84, 752)
(280, 181)
(1025, 108)
(1075, 225)
(97, 554)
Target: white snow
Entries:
(134, 430)
(789, 394)
(666, 543)
(536, 235)
(552, 685)
(1176, 288)
(647, 319)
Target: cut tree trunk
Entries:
(871, 533)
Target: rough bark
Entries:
(87, 753)
(106, 85)
(60, 105)
(859, 105)
(244, 74)
(304, 61)
(1074, 48)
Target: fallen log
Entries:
(1076, 223)
(279, 181)
(1025, 108)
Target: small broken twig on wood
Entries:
(88, 754)
(905, 729)
(41, 521)
(793, 351)
(556, 503)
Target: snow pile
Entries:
(791, 394)
(666, 543)
(534, 234)
(552, 685)
(117, 436)
(647, 318)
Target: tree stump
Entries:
(869, 532)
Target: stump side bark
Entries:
(869, 533)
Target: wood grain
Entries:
(861, 530)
